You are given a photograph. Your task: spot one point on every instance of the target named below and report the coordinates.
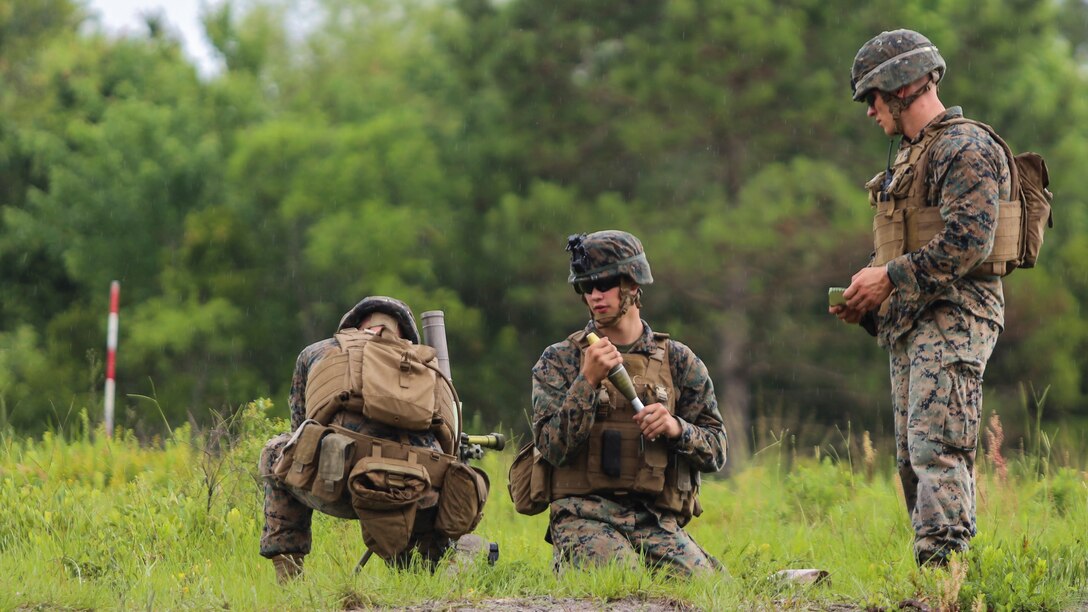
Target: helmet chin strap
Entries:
(897, 105)
(628, 299)
(896, 108)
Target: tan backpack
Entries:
(1030, 180)
(386, 379)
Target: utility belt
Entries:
(534, 483)
(384, 482)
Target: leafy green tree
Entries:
(120, 156)
(442, 152)
(707, 119)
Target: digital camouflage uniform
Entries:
(605, 528)
(287, 510)
(939, 324)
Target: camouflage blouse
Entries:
(971, 173)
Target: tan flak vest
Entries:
(617, 460)
(906, 216)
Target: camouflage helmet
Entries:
(893, 59)
(390, 306)
(606, 254)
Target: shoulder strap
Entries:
(579, 338)
(659, 358)
(661, 353)
(1014, 174)
(353, 338)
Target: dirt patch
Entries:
(550, 604)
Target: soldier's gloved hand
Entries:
(599, 359)
(656, 421)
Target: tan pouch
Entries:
(681, 492)
(461, 503)
(888, 234)
(1034, 180)
(297, 465)
(651, 474)
(529, 481)
(540, 488)
(334, 463)
(398, 388)
(385, 493)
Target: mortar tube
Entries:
(434, 336)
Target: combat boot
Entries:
(288, 566)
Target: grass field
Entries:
(93, 523)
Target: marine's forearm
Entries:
(562, 419)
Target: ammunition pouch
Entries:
(621, 460)
(616, 460)
(681, 492)
(297, 463)
(318, 460)
(333, 467)
(315, 462)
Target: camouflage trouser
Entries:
(593, 530)
(936, 373)
(288, 512)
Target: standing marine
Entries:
(623, 483)
(932, 291)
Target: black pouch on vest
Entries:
(611, 447)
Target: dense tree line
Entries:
(441, 152)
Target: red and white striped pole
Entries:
(111, 354)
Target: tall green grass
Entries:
(91, 523)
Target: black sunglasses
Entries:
(601, 284)
(871, 99)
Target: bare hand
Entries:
(868, 288)
(599, 359)
(655, 420)
(846, 314)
